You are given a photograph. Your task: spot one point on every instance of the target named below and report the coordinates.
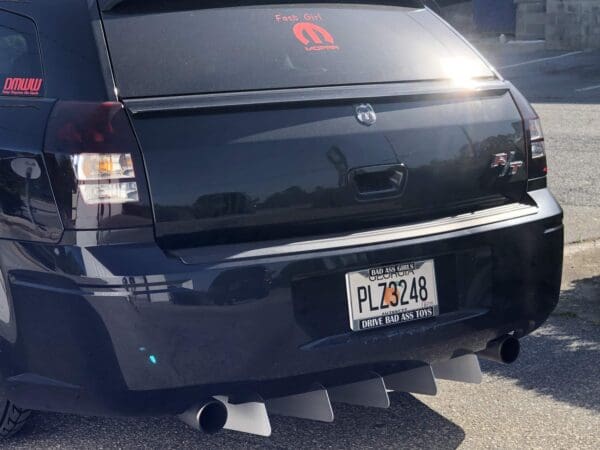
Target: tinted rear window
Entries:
(20, 66)
(279, 46)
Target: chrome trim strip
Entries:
(280, 248)
(438, 226)
(328, 93)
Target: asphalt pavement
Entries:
(550, 398)
(564, 87)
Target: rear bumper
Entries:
(127, 329)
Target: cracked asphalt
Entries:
(550, 398)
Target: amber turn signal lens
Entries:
(103, 166)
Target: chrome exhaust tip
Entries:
(503, 350)
(208, 416)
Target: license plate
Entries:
(392, 294)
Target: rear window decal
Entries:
(314, 37)
(367, 43)
(22, 86)
(307, 17)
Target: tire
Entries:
(12, 418)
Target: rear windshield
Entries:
(172, 52)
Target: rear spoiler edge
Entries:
(107, 5)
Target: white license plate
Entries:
(392, 294)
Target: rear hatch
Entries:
(262, 122)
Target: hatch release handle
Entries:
(378, 182)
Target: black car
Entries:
(225, 210)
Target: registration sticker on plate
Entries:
(389, 295)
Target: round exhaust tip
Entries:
(212, 417)
(503, 350)
(509, 350)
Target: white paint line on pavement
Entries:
(533, 42)
(589, 88)
(535, 61)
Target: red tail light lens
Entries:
(96, 167)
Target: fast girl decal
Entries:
(313, 37)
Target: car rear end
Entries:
(276, 195)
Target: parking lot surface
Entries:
(550, 398)
(564, 88)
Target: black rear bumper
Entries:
(127, 329)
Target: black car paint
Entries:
(66, 37)
(108, 322)
(28, 208)
(285, 172)
(89, 336)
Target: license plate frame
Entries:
(395, 303)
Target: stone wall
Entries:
(531, 19)
(573, 24)
(565, 24)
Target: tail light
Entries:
(95, 167)
(105, 177)
(534, 138)
(537, 149)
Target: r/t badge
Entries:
(507, 164)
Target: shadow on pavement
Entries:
(582, 301)
(407, 424)
(562, 359)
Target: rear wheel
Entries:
(12, 418)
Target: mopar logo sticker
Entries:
(314, 37)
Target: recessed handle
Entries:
(378, 182)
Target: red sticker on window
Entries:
(314, 37)
(22, 86)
